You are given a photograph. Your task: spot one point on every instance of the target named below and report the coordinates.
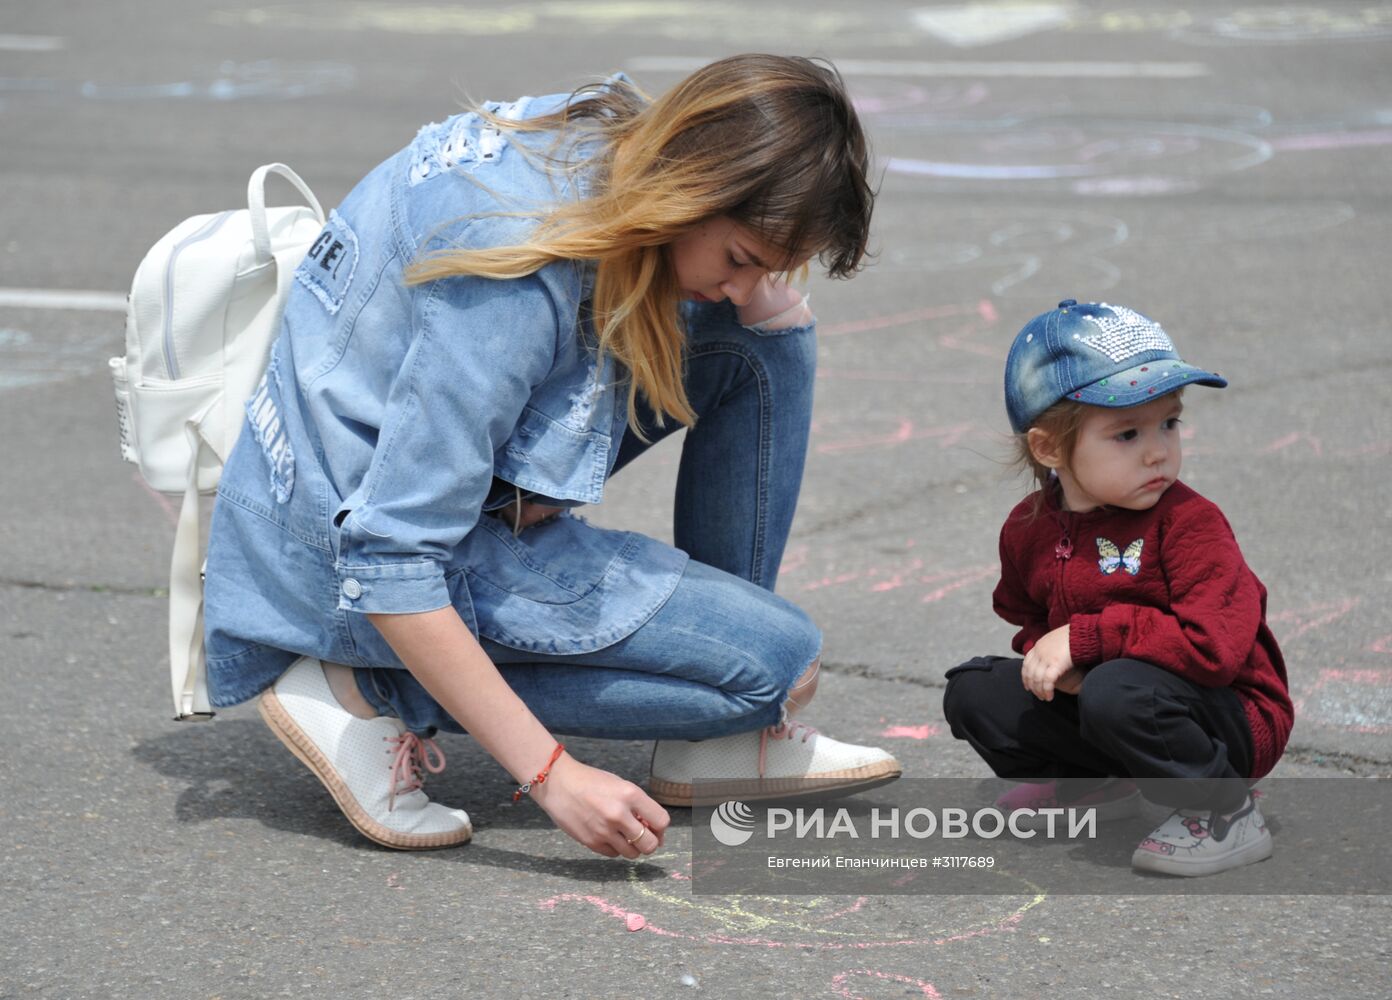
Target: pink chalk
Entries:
(635, 922)
(910, 732)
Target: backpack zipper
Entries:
(171, 364)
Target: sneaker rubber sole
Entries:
(297, 742)
(1164, 864)
(828, 784)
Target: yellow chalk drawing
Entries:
(825, 921)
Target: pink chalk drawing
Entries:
(794, 559)
(1374, 449)
(840, 984)
(919, 378)
(960, 340)
(982, 310)
(160, 500)
(1354, 712)
(899, 579)
(1310, 618)
(910, 732)
(1294, 438)
(967, 577)
(1382, 644)
(904, 431)
(813, 923)
(1007, 923)
(1356, 676)
(913, 572)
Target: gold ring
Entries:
(639, 836)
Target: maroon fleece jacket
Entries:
(1167, 586)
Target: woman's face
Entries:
(720, 259)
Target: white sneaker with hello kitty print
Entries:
(1204, 842)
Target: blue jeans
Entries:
(720, 656)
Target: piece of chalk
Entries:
(636, 922)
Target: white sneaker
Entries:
(784, 761)
(372, 767)
(1199, 842)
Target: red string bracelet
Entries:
(540, 778)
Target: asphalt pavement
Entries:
(1224, 168)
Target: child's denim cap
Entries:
(1094, 353)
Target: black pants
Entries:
(1184, 745)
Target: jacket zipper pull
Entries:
(1063, 548)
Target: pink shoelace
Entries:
(412, 756)
(782, 731)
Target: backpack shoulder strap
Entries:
(187, 657)
(187, 660)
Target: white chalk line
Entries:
(952, 68)
(60, 298)
(32, 43)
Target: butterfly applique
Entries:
(1113, 559)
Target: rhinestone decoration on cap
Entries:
(1125, 334)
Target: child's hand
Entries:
(1046, 663)
(1070, 681)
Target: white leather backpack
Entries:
(204, 310)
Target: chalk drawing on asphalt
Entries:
(265, 80)
(30, 359)
(971, 25)
(683, 20)
(957, 25)
(817, 923)
(1078, 154)
(1288, 25)
(869, 984)
(1355, 700)
(1292, 623)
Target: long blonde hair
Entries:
(773, 142)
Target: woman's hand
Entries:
(599, 809)
(1047, 662)
(777, 301)
(604, 812)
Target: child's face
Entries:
(1124, 458)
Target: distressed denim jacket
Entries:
(392, 416)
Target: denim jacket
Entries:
(393, 418)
